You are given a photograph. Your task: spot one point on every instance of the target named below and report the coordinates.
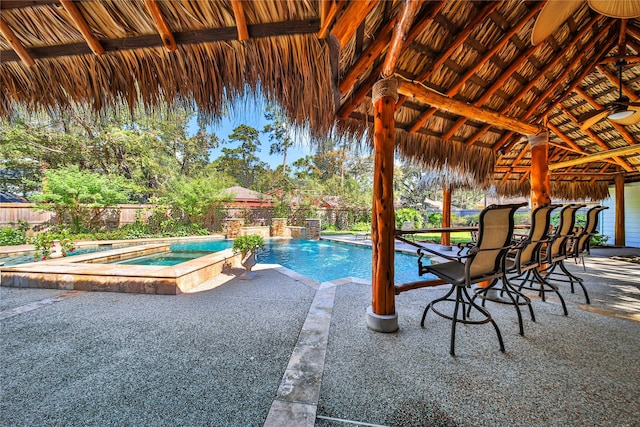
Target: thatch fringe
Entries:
(207, 75)
(581, 190)
(560, 190)
(512, 188)
(435, 154)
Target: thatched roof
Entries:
(319, 60)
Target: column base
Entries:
(382, 323)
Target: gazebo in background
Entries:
(458, 87)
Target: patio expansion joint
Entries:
(299, 391)
(5, 314)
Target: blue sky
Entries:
(226, 126)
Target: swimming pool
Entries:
(324, 260)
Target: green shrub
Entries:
(247, 243)
(15, 234)
(598, 240)
(361, 226)
(408, 215)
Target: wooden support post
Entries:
(540, 178)
(382, 316)
(446, 215)
(620, 238)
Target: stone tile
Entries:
(308, 358)
(300, 386)
(290, 415)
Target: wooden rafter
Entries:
(444, 103)
(460, 38)
(421, 23)
(400, 31)
(16, 44)
(19, 4)
(270, 29)
(626, 135)
(161, 25)
(346, 26)
(241, 20)
(549, 90)
(620, 161)
(503, 76)
(336, 8)
(542, 74)
(82, 26)
(597, 157)
(369, 55)
(614, 81)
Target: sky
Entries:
(250, 111)
(226, 126)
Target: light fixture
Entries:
(619, 115)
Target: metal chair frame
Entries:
(474, 256)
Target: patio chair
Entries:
(481, 262)
(582, 242)
(553, 256)
(522, 260)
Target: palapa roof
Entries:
(319, 59)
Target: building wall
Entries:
(631, 219)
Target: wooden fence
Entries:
(127, 213)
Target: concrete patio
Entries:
(283, 350)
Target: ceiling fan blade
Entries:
(551, 17)
(631, 120)
(622, 9)
(591, 118)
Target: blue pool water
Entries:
(320, 260)
(324, 260)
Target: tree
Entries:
(278, 131)
(149, 150)
(81, 196)
(241, 163)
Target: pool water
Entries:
(163, 259)
(323, 260)
(27, 258)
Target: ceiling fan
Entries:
(621, 111)
(555, 12)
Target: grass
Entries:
(458, 237)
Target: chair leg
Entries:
(489, 318)
(543, 282)
(461, 299)
(578, 280)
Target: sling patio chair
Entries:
(580, 246)
(582, 242)
(553, 255)
(483, 261)
(522, 260)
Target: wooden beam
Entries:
(369, 55)
(542, 74)
(82, 26)
(421, 22)
(188, 37)
(325, 7)
(351, 19)
(20, 4)
(16, 44)
(446, 215)
(460, 38)
(444, 103)
(597, 157)
(383, 219)
(540, 184)
(161, 25)
(409, 11)
(241, 20)
(503, 76)
(619, 230)
(620, 161)
(325, 24)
